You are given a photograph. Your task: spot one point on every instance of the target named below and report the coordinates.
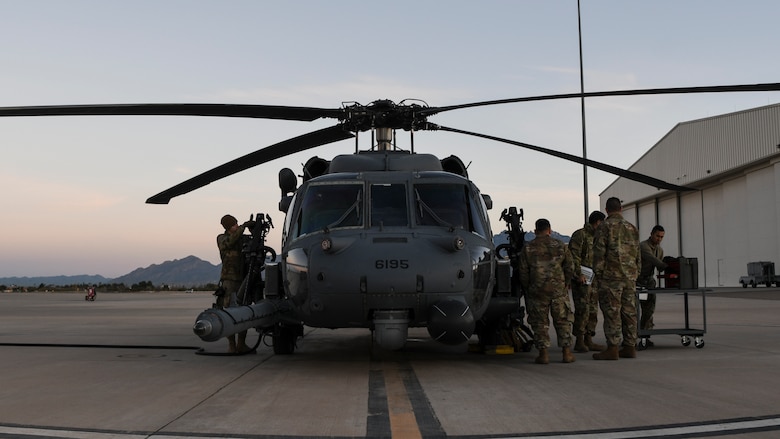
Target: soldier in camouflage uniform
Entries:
(586, 300)
(545, 269)
(652, 258)
(616, 262)
(229, 244)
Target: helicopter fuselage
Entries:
(380, 244)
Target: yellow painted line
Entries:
(403, 423)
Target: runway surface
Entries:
(126, 366)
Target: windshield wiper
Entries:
(353, 207)
(423, 206)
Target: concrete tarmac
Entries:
(128, 366)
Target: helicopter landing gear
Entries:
(285, 337)
(509, 331)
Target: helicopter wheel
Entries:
(284, 340)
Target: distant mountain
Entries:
(503, 237)
(186, 272)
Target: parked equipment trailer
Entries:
(760, 273)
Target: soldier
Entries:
(545, 269)
(229, 244)
(586, 300)
(616, 262)
(652, 258)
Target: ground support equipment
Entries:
(685, 332)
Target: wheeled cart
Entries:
(685, 332)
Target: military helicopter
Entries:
(382, 238)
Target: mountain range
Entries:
(186, 272)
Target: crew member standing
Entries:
(616, 262)
(229, 244)
(652, 259)
(545, 269)
(586, 300)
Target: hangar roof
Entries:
(696, 153)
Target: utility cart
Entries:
(680, 277)
(686, 332)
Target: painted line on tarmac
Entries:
(23, 432)
(748, 425)
(403, 423)
(397, 404)
(378, 421)
(404, 429)
(403, 426)
(28, 432)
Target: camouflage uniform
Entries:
(232, 274)
(586, 299)
(616, 262)
(545, 268)
(652, 258)
(230, 245)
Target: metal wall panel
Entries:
(667, 218)
(693, 230)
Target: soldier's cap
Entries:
(228, 221)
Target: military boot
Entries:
(610, 353)
(579, 344)
(568, 357)
(627, 352)
(591, 345)
(231, 344)
(543, 357)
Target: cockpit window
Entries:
(388, 205)
(441, 205)
(450, 205)
(479, 219)
(331, 206)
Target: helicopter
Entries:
(383, 238)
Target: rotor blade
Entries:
(647, 91)
(635, 176)
(290, 146)
(217, 110)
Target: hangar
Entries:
(732, 216)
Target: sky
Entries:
(74, 188)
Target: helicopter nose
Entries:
(450, 322)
